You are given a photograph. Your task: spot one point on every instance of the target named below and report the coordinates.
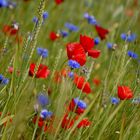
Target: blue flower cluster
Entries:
(71, 74)
(80, 103)
(129, 38)
(44, 16)
(109, 45)
(45, 114)
(3, 80)
(64, 33)
(71, 27)
(114, 100)
(3, 3)
(42, 52)
(43, 100)
(132, 54)
(91, 19)
(96, 40)
(9, 4)
(73, 64)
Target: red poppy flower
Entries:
(79, 111)
(124, 92)
(84, 123)
(66, 122)
(76, 52)
(86, 42)
(81, 84)
(42, 71)
(10, 70)
(53, 36)
(72, 107)
(94, 53)
(40, 121)
(43, 124)
(9, 30)
(59, 1)
(101, 31)
(96, 81)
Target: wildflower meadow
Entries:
(69, 70)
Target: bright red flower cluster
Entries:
(68, 123)
(53, 36)
(59, 1)
(79, 81)
(84, 123)
(86, 42)
(9, 30)
(77, 51)
(42, 71)
(82, 84)
(124, 92)
(72, 107)
(43, 124)
(96, 81)
(101, 32)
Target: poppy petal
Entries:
(94, 53)
(101, 32)
(124, 92)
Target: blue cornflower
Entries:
(71, 74)
(71, 27)
(5, 81)
(129, 38)
(114, 100)
(1, 77)
(136, 101)
(80, 103)
(123, 36)
(35, 20)
(45, 15)
(3, 3)
(43, 100)
(73, 64)
(132, 54)
(45, 114)
(64, 33)
(42, 52)
(109, 45)
(96, 40)
(91, 19)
